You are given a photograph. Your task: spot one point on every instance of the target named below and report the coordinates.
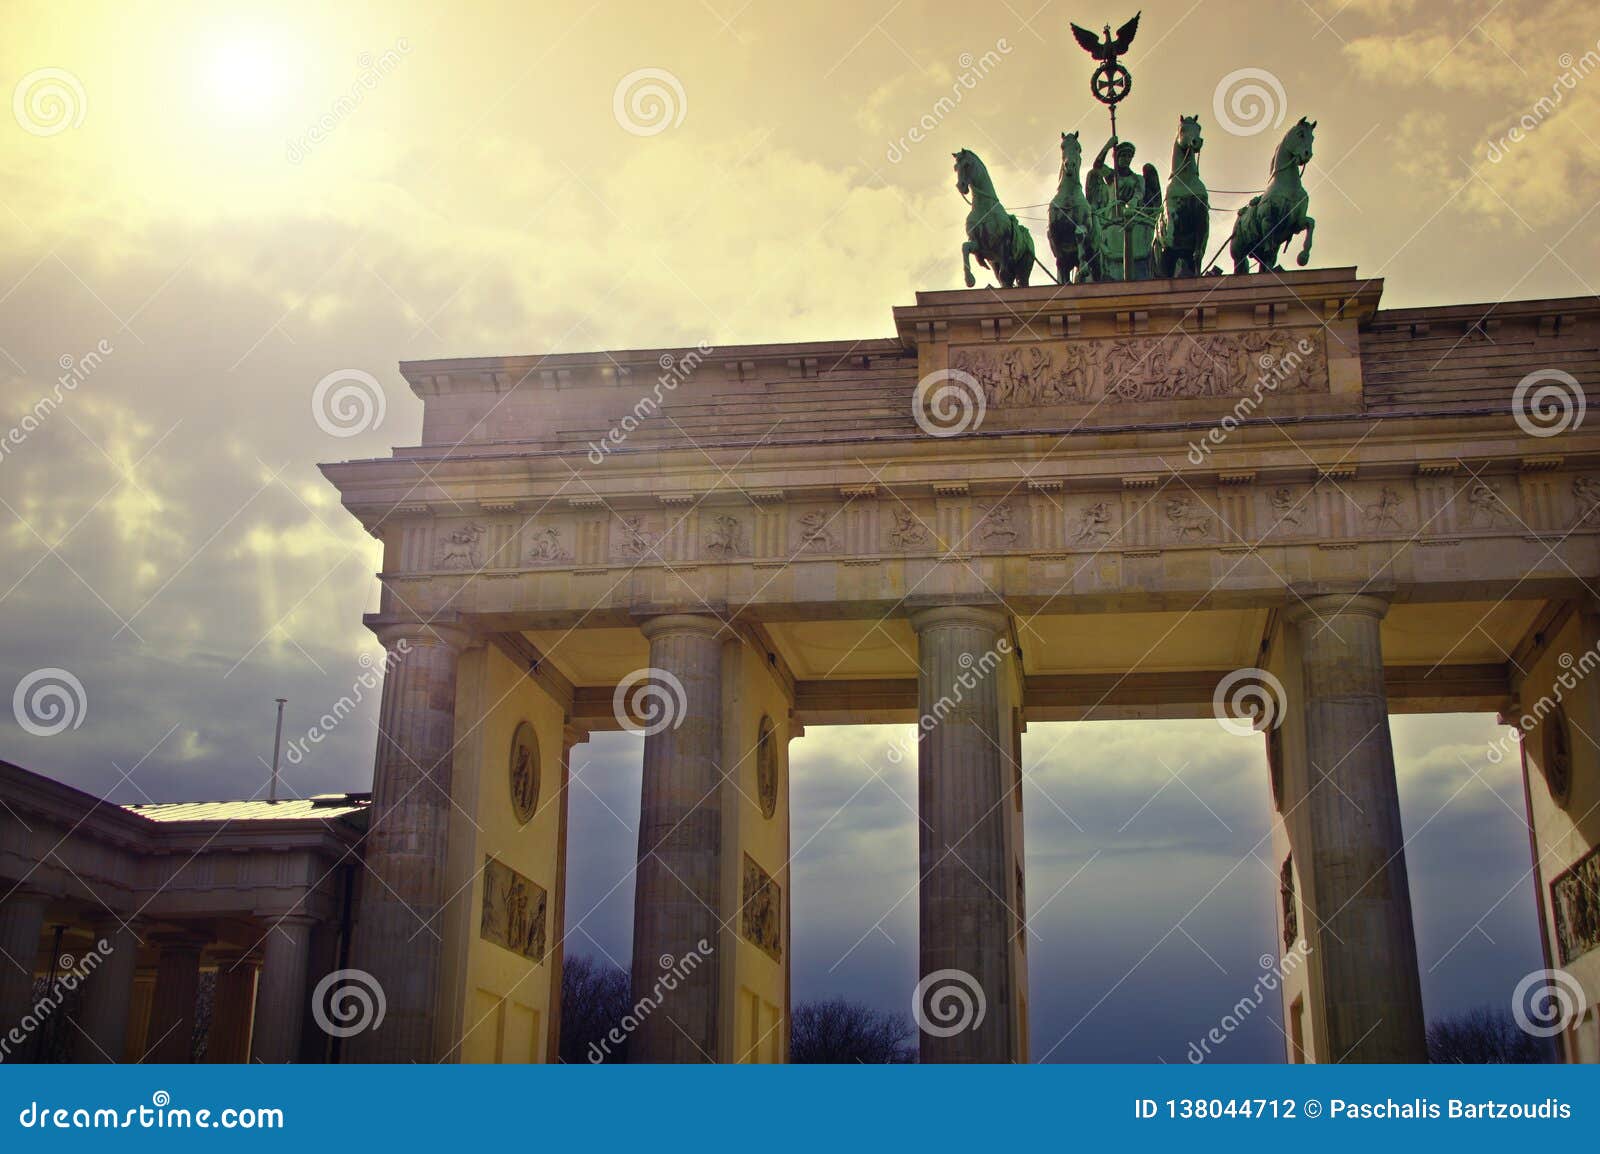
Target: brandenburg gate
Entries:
(1258, 497)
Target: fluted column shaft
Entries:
(678, 881)
(398, 938)
(21, 923)
(1361, 898)
(963, 800)
(102, 1034)
(171, 1035)
(281, 990)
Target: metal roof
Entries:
(319, 807)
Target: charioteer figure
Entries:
(1127, 205)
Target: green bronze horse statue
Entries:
(1269, 222)
(1179, 247)
(1072, 231)
(994, 236)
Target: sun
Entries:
(246, 76)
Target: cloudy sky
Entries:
(205, 209)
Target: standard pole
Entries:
(277, 749)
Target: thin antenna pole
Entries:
(277, 748)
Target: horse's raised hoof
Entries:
(971, 280)
(1302, 259)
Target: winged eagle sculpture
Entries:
(1107, 49)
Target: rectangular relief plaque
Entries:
(513, 911)
(1575, 900)
(1176, 366)
(761, 915)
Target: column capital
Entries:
(229, 960)
(107, 922)
(1327, 606)
(697, 624)
(299, 919)
(449, 633)
(180, 941)
(24, 892)
(979, 616)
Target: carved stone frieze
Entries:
(1386, 513)
(907, 530)
(1289, 509)
(513, 910)
(726, 537)
(1291, 905)
(997, 529)
(1575, 898)
(1486, 508)
(1092, 526)
(815, 532)
(634, 537)
(458, 548)
(761, 910)
(1188, 519)
(1141, 518)
(1586, 492)
(1172, 366)
(546, 546)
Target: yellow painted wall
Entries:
(1566, 833)
(754, 1020)
(496, 1004)
(1301, 983)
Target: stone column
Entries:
(281, 991)
(102, 1034)
(233, 1008)
(21, 924)
(171, 1035)
(964, 785)
(676, 895)
(1354, 867)
(397, 940)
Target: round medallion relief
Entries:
(767, 768)
(1556, 755)
(523, 773)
